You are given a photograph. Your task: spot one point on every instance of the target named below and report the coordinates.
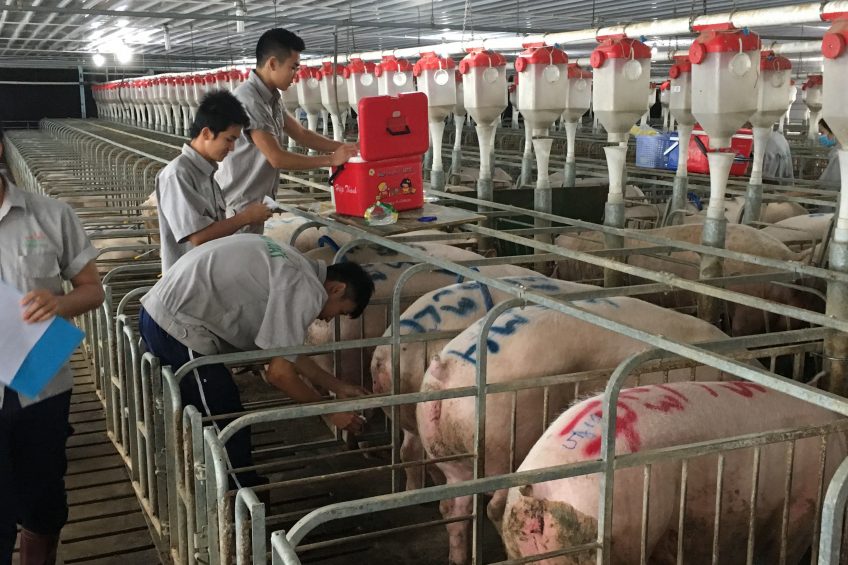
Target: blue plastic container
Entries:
(650, 151)
(672, 152)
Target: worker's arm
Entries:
(279, 158)
(284, 375)
(87, 294)
(255, 213)
(321, 378)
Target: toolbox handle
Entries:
(335, 174)
(397, 125)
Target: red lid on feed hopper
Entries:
(430, 62)
(722, 41)
(546, 55)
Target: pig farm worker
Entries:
(242, 293)
(252, 171)
(190, 203)
(830, 177)
(42, 244)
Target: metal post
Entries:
(713, 235)
(83, 114)
(753, 204)
(836, 346)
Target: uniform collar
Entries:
(12, 198)
(266, 93)
(206, 167)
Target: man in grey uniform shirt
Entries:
(242, 293)
(41, 244)
(252, 171)
(191, 206)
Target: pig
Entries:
(744, 320)
(281, 227)
(524, 344)
(801, 229)
(563, 513)
(124, 250)
(385, 271)
(468, 177)
(453, 307)
(771, 212)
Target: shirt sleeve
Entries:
(290, 312)
(261, 116)
(185, 209)
(77, 251)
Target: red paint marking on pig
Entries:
(579, 417)
(668, 402)
(743, 389)
(674, 392)
(707, 388)
(625, 427)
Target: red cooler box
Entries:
(393, 137)
(742, 143)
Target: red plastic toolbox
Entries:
(393, 136)
(359, 184)
(742, 143)
(393, 126)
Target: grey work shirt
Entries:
(189, 200)
(239, 293)
(41, 243)
(777, 159)
(245, 175)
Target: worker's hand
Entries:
(349, 421)
(344, 152)
(345, 390)
(40, 305)
(256, 213)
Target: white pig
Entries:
(451, 308)
(563, 513)
(745, 239)
(524, 344)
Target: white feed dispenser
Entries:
(835, 112)
(173, 106)
(771, 104)
(194, 89)
(725, 71)
(512, 95)
(309, 96)
(680, 108)
(484, 83)
(394, 76)
(578, 98)
(159, 101)
(459, 123)
(288, 99)
(812, 93)
(622, 71)
(436, 79)
(543, 72)
(527, 156)
(360, 80)
(652, 99)
(182, 100)
(665, 96)
(334, 96)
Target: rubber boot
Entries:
(38, 549)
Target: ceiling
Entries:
(204, 33)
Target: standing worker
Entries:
(191, 205)
(242, 293)
(252, 171)
(830, 177)
(777, 160)
(43, 244)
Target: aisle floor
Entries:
(106, 524)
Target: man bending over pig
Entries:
(242, 293)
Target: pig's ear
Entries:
(438, 369)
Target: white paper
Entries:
(271, 203)
(17, 337)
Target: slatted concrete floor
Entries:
(106, 525)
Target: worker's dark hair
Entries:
(823, 124)
(359, 286)
(218, 111)
(279, 43)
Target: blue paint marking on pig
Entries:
(492, 344)
(599, 301)
(462, 308)
(377, 275)
(441, 293)
(428, 311)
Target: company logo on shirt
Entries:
(274, 249)
(35, 240)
